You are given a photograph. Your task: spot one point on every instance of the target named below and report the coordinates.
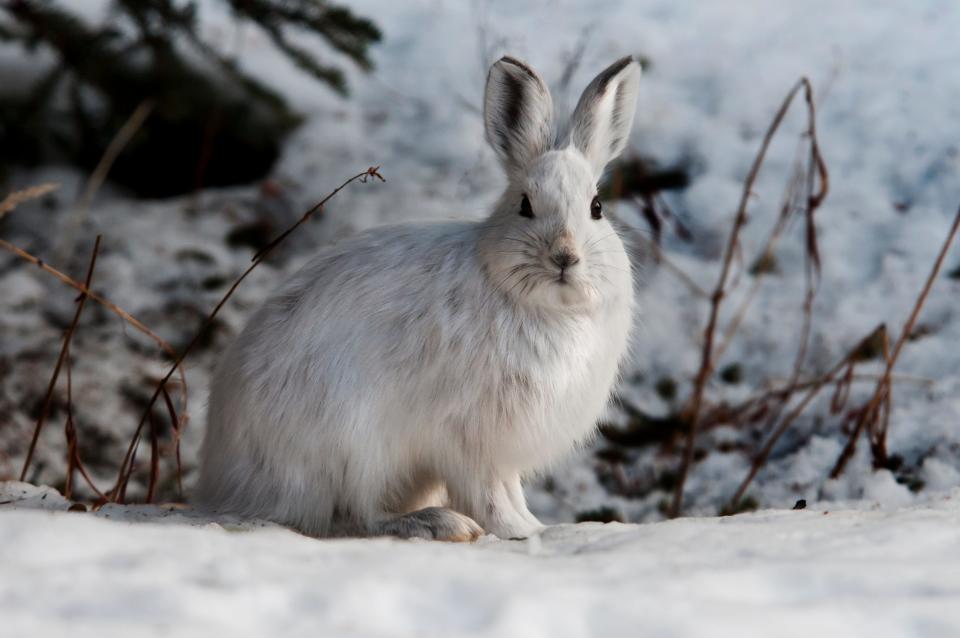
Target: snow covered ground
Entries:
(884, 561)
(146, 572)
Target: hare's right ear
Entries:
(601, 122)
(517, 113)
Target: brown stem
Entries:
(126, 468)
(154, 460)
(70, 433)
(767, 252)
(880, 394)
(815, 168)
(106, 303)
(176, 433)
(74, 463)
(707, 363)
(48, 400)
(13, 200)
(761, 458)
(113, 150)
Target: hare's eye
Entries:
(525, 209)
(596, 208)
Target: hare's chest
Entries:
(579, 352)
(554, 386)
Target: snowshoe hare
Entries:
(407, 379)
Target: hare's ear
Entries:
(517, 113)
(601, 122)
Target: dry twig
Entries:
(48, 399)
(765, 258)
(118, 492)
(74, 462)
(847, 362)
(73, 459)
(113, 150)
(103, 301)
(875, 415)
(817, 168)
(14, 199)
(102, 169)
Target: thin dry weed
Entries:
(118, 492)
(817, 172)
(64, 350)
(874, 417)
(11, 201)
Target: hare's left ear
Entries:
(601, 122)
(517, 114)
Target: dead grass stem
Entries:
(875, 415)
(817, 171)
(118, 492)
(64, 350)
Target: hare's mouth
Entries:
(564, 277)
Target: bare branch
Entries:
(64, 349)
(126, 468)
(707, 363)
(873, 409)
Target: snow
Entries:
(883, 561)
(139, 570)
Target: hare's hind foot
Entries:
(431, 523)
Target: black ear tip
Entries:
(622, 63)
(518, 64)
(613, 71)
(509, 59)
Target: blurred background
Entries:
(191, 133)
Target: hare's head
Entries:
(549, 242)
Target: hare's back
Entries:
(368, 294)
(382, 268)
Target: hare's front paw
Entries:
(499, 506)
(515, 529)
(509, 520)
(431, 523)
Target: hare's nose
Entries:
(564, 259)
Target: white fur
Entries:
(435, 364)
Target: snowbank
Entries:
(151, 572)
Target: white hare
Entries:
(407, 379)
